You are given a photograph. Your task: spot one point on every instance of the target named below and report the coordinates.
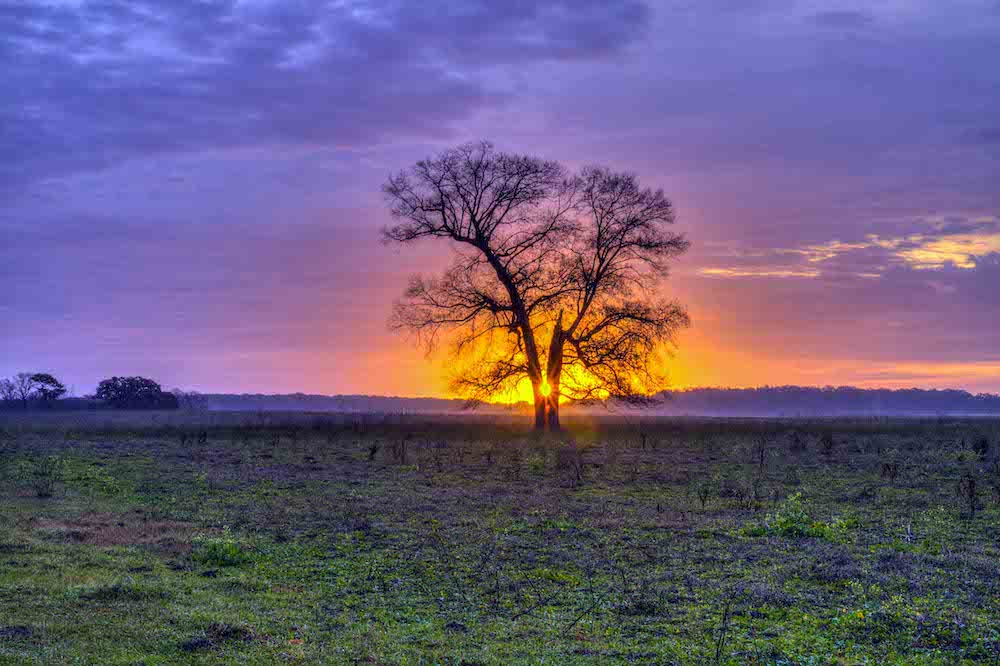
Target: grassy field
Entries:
(261, 539)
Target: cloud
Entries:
(757, 273)
(828, 250)
(937, 319)
(953, 243)
(959, 250)
(92, 83)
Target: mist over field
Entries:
(764, 402)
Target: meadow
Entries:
(262, 538)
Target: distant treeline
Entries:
(302, 402)
(41, 390)
(766, 401)
(840, 400)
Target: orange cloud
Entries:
(763, 272)
(959, 250)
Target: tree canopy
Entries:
(48, 388)
(134, 393)
(556, 277)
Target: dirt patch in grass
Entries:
(115, 529)
(15, 633)
(218, 633)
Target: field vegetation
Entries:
(164, 538)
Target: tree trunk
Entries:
(547, 412)
(540, 403)
(552, 410)
(553, 374)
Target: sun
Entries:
(545, 389)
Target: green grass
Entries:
(324, 540)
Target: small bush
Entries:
(981, 447)
(827, 443)
(890, 468)
(993, 480)
(92, 480)
(750, 492)
(797, 443)
(968, 491)
(219, 551)
(791, 520)
(400, 448)
(703, 489)
(569, 461)
(44, 475)
(536, 463)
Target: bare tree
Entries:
(24, 387)
(8, 391)
(555, 277)
(190, 400)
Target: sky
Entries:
(190, 189)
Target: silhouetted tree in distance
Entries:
(191, 400)
(555, 279)
(8, 390)
(24, 387)
(134, 393)
(48, 388)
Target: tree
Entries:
(24, 387)
(134, 393)
(48, 388)
(555, 277)
(190, 400)
(8, 390)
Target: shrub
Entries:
(968, 491)
(44, 475)
(400, 448)
(827, 443)
(890, 470)
(890, 467)
(797, 444)
(536, 462)
(92, 480)
(759, 454)
(981, 447)
(994, 481)
(221, 551)
(791, 520)
(703, 489)
(569, 461)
